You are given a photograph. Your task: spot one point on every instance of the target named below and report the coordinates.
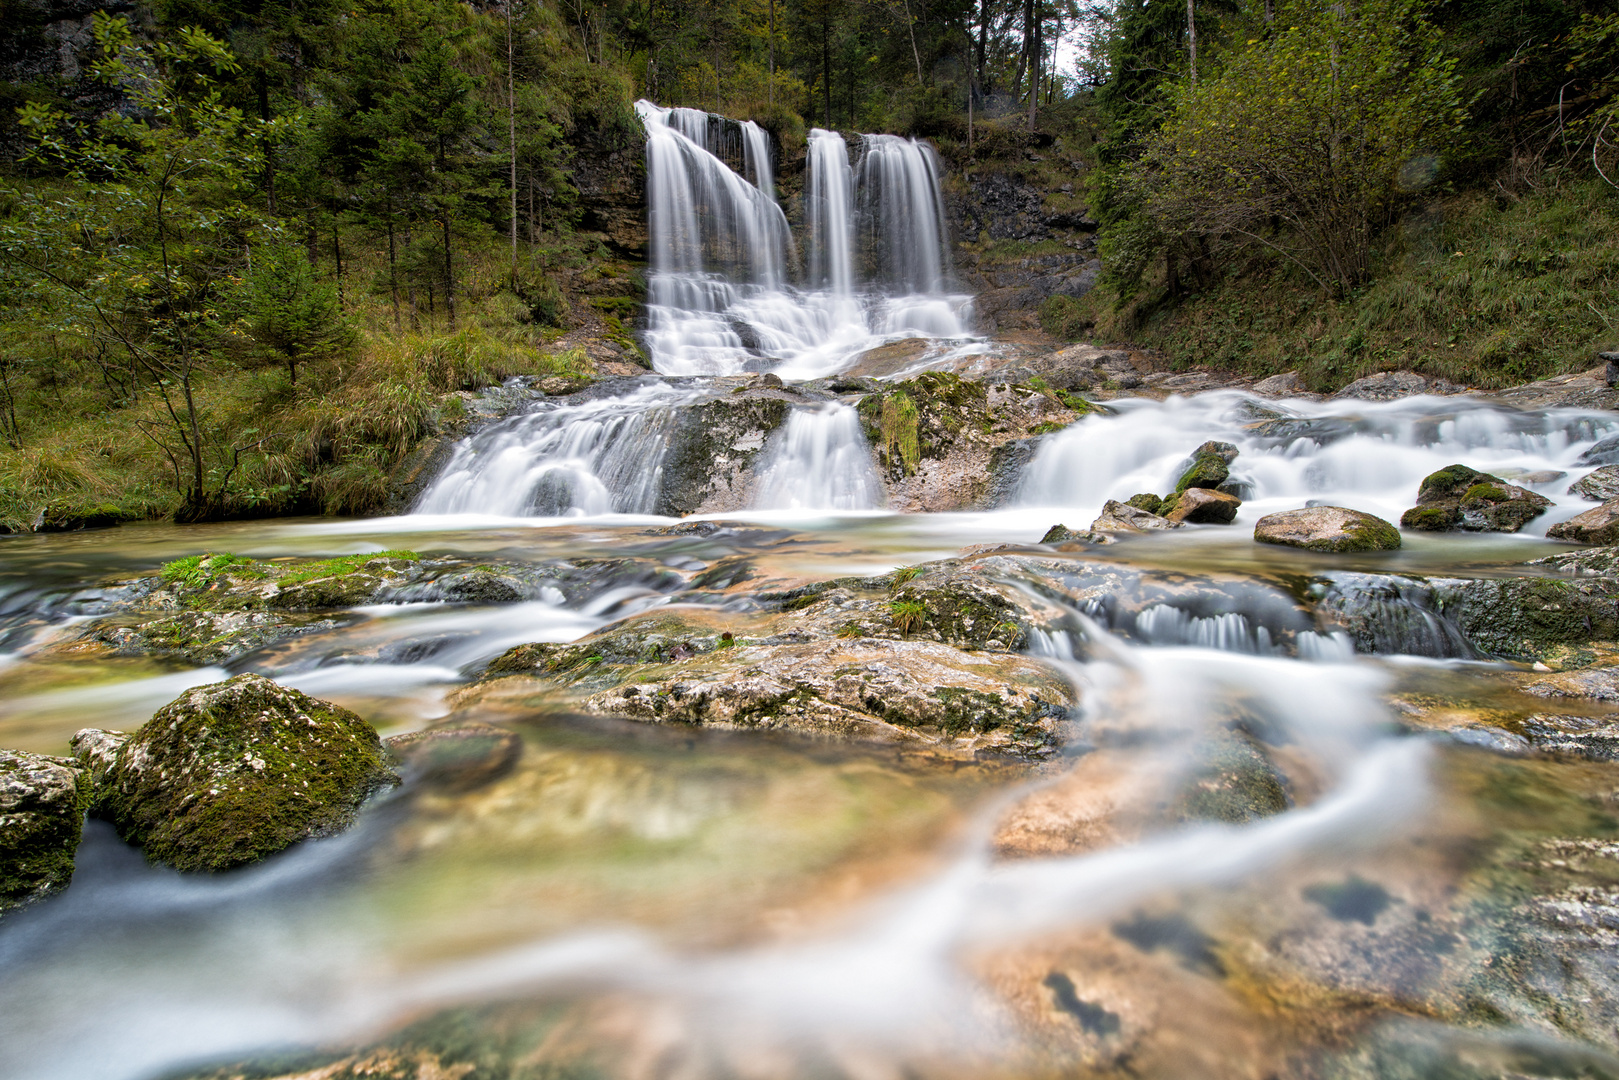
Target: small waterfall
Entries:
(756, 158)
(821, 462)
(600, 457)
(902, 214)
(828, 211)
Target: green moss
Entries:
(1206, 471)
(1430, 518)
(232, 772)
(1147, 501)
(345, 564)
(899, 423)
(1369, 534)
(1485, 492)
(1451, 481)
(40, 831)
(1532, 618)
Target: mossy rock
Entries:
(231, 772)
(42, 804)
(1205, 471)
(1062, 534)
(1147, 501)
(1233, 780)
(1327, 528)
(1457, 497)
(1531, 618)
(920, 418)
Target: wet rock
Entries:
(1599, 525)
(456, 756)
(231, 772)
(1389, 385)
(1530, 618)
(715, 450)
(1489, 738)
(1605, 451)
(1459, 498)
(1119, 517)
(1201, 506)
(1327, 528)
(864, 689)
(42, 804)
(1540, 476)
(1576, 736)
(1322, 430)
(207, 637)
(1599, 486)
(937, 440)
(1208, 468)
(1388, 614)
(1145, 500)
(1234, 780)
(482, 587)
(1062, 534)
(1287, 384)
(887, 360)
(1596, 684)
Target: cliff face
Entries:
(42, 48)
(611, 178)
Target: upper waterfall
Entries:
(727, 292)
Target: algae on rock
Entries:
(231, 772)
(42, 804)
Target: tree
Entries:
(1309, 138)
(139, 253)
(291, 312)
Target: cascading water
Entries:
(598, 457)
(821, 462)
(719, 298)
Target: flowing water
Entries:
(638, 900)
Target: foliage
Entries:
(1308, 139)
(291, 313)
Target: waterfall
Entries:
(821, 462)
(828, 212)
(719, 296)
(596, 458)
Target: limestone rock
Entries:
(1596, 684)
(1119, 517)
(1599, 486)
(1576, 736)
(231, 772)
(1287, 384)
(1605, 451)
(1208, 468)
(1327, 528)
(1599, 525)
(863, 688)
(1201, 506)
(1459, 498)
(1388, 385)
(42, 803)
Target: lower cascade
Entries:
(821, 462)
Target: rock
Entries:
(1576, 736)
(1327, 528)
(456, 756)
(1287, 384)
(1234, 781)
(1060, 534)
(1598, 486)
(1321, 430)
(207, 637)
(711, 461)
(95, 750)
(1599, 525)
(1388, 385)
(1596, 684)
(1530, 618)
(865, 689)
(42, 804)
(1489, 738)
(231, 772)
(1118, 517)
(1540, 476)
(1145, 500)
(1388, 614)
(1208, 468)
(1201, 506)
(888, 360)
(1605, 451)
(1459, 498)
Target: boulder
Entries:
(1119, 517)
(1599, 486)
(231, 772)
(1201, 506)
(1287, 384)
(1605, 451)
(1145, 500)
(456, 756)
(1062, 534)
(42, 803)
(1459, 498)
(1530, 618)
(1388, 385)
(861, 688)
(1233, 780)
(1598, 525)
(1209, 466)
(1327, 528)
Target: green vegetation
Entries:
(908, 615)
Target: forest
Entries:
(251, 251)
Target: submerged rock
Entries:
(1599, 525)
(1599, 486)
(231, 772)
(1119, 517)
(1203, 506)
(1327, 528)
(1459, 498)
(1233, 780)
(42, 803)
(1575, 736)
(456, 756)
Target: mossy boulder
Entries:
(1530, 618)
(1327, 528)
(1598, 525)
(1209, 467)
(1117, 517)
(231, 772)
(715, 448)
(42, 804)
(1147, 501)
(1459, 498)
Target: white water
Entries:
(1368, 456)
(598, 457)
(820, 462)
(720, 293)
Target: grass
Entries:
(1468, 289)
(198, 571)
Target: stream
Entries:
(678, 900)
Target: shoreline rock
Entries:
(1327, 528)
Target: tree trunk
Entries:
(511, 129)
(1034, 68)
(1191, 37)
(983, 35)
(910, 26)
(1028, 46)
(771, 89)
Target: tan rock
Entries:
(1119, 517)
(1327, 528)
(1202, 506)
(1598, 525)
